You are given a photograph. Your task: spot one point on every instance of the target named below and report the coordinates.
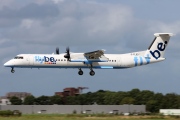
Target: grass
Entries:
(85, 117)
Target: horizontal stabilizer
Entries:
(163, 34)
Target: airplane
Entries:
(95, 59)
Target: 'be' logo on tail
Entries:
(160, 47)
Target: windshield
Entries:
(18, 57)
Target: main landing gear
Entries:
(12, 70)
(92, 73)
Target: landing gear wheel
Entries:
(80, 72)
(12, 70)
(92, 73)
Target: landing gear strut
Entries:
(12, 70)
(80, 72)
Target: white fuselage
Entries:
(95, 59)
(115, 61)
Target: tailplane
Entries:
(157, 48)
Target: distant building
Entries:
(20, 95)
(4, 101)
(69, 109)
(170, 111)
(71, 91)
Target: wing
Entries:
(89, 57)
(95, 54)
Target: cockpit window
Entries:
(18, 57)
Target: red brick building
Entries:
(70, 91)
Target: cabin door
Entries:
(118, 61)
(31, 60)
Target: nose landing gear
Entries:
(12, 70)
(80, 72)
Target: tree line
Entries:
(153, 101)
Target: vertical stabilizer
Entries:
(157, 48)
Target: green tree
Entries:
(153, 101)
(110, 98)
(29, 100)
(172, 101)
(145, 96)
(56, 99)
(135, 93)
(127, 100)
(71, 100)
(152, 106)
(159, 98)
(120, 96)
(15, 100)
(99, 97)
(43, 100)
(89, 98)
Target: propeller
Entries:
(67, 55)
(57, 50)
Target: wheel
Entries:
(12, 71)
(92, 73)
(80, 72)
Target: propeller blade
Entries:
(67, 50)
(57, 50)
(67, 55)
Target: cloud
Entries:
(57, 1)
(81, 23)
(27, 23)
(76, 23)
(33, 11)
(6, 3)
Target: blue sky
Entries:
(39, 26)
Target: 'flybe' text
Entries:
(45, 60)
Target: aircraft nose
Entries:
(8, 64)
